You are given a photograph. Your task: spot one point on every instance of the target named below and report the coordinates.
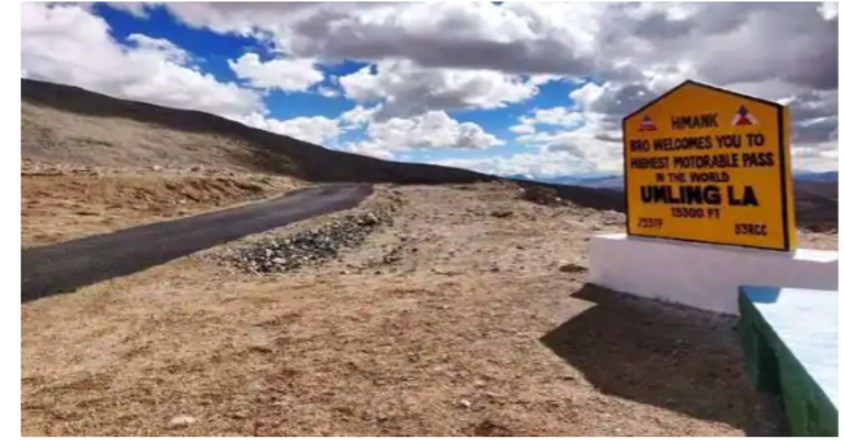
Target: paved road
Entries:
(67, 266)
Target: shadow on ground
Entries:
(670, 357)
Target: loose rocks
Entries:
(502, 213)
(541, 195)
(309, 247)
(572, 268)
(182, 421)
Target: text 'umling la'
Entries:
(698, 195)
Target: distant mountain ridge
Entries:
(616, 182)
(809, 176)
(612, 182)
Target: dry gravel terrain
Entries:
(63, 202)
(467, 314)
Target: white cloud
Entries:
(537, 164)
(829, 10)
(289, 75)
(317, 130)
(443, 56)
(432, 130)
(408, 90)
(444, 34)
(359, 116)
(137, 9)
(567, 39)
(523, 128)
(327, 92)
(68, 44)
(159, 47)
(371, 149)
(556, 116)
(567, 140)
(429, 58)
(248, 18)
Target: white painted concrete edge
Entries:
(703, 276)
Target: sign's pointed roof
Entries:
(691, 82)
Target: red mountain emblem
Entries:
(744, 117)
(647, 124)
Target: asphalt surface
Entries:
(65, 267)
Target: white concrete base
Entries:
(701, 275)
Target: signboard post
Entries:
(709, 203)
(708, 165)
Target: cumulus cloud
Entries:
(289, 75)
(359, 116)
(327, 92)
(544, 163)
(68, 44)
(372, 149)
(159, 47)
(407, 89)
(426, 59)
(138, 9)
(444, 34)
(432, 130)
(548, 38)
(640, 48)
(556, 116)
(316, 130)
(568, 140)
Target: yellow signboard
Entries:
(708, 165)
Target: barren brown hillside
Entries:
(817, 205)
(63, 202)
(69, 125)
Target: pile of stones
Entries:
(310, 247)
(541, 195)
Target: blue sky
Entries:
(546, 98)
(212, 52)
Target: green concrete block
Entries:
(791, 346)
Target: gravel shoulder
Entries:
(465, 313)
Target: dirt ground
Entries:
(63, 203)
(479, 324)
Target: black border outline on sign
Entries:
(781, 152)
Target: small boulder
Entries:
(182, 421)
(572, 268)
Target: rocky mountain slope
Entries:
(70, 125)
